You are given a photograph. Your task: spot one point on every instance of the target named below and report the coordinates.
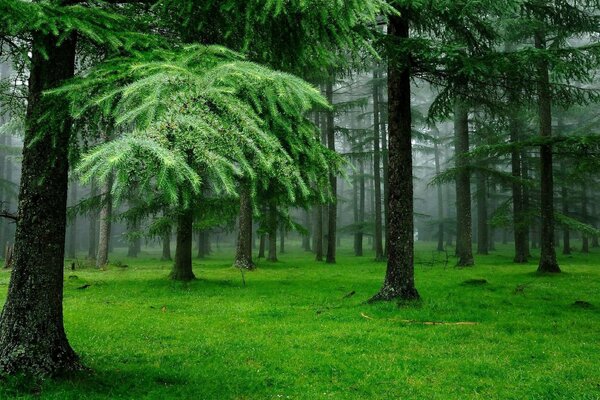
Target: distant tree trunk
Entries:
(526, 201)
(105, 224)
(483, 239)
(399, 278)
(585, 242)
(243, 255)
(32, 336)
(378, 234)
(306, 238)
(464, 250)
(564, 197)
(361, 208)
(261, 246)
(332, 214)
(281, 239)
(92, 232)
(166, 245)
(272, 226)
(449, 212)
(182, 267)
(440, 195)
(72, 248)
(491, 188)
(133, 249)
(548, 262)
(519, 213)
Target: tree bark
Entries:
(32, 336)
(272, 225)
(332, 214)
(378, 234)
(399, 278)
(182, 267)
(464, 249)
(243, 255)
(105, 225)
(548, 262)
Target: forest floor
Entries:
(302, 330)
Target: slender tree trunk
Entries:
(491, 188)
(72, 247)
(105, 225)
(272, 224)
(548, 262)
(261, 246)
(92, 232)
(134, 243)
(281, 239)
(166, 245)
(32, 336)
(378, 234)
(306, 238)
(519, 218)
(182, 267)
(585, 242)
(243, 255)
(399, 278)
(483, 239)
(450, 213)
(440, 194)
(464, 250)
(332, 213)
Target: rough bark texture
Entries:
(483, 239)
(243, 254)
(548, 262)
(105, 225)
(386, 191)
(332, 214)
(399, 278)
(182, 267)
(32, 336)
(378, 234)
(464, 246)
(272, 225)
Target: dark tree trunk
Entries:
(243, 255)
(306, 238)
(361, 208)
(32, 336)
(399, 278)
(261, 246)
(519, 217)
(93, 232)
(105, 225)
(450, 211)
(166, 245)
(548, 262)
(272, 225)
(464, 246)
(133, 249)
(491, 187)
(281, 239)
(440, 195)
(332, 214)
(378, 234)
(182, 267)
(386, 191)
(483, 239)
(72, 248)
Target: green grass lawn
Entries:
(291, 333)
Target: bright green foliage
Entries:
(224, 117)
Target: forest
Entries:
(300, 199)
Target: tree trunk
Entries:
(243, 255)
(519, 213)
(72, 247)
(281, 239)
(306, 238)
(92, 232)
(386, 192)
(450, 211)
(548, 262)
(332, 214)
(464, 250)
(105, 225)
(261, 246)
(483, 239)
(32, 336)
(272, 225)
(166, 245)
(440, 195)
(134, 243)
(399, 278)
(585, 242)
(182, 267)
(378, 234)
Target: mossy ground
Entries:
(295, 332)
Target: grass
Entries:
(291, 332)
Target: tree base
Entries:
(548, 268)
(183, 276)
(520, 259)
(34, 360)
(387, 293)
(244, 264)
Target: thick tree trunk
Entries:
(548, 262)
(378, 234)
(399, 279)
(93, 232)
(386, 191)
(440, 194)
(332, 214)
(166, 245)
(272, 225)
(483, 239)
(32, 336)
(243, 255)
(464, 246)
(182, 267)
(105, 225)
